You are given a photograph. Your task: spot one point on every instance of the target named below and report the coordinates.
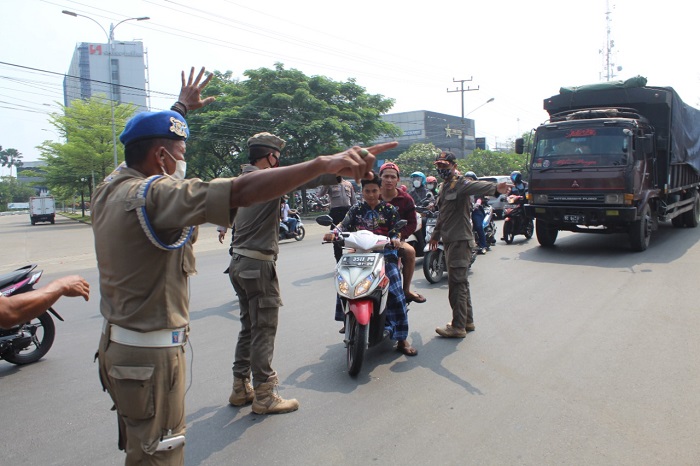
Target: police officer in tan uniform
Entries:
(254, 277)
(143, 217)
(454, 225)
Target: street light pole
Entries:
(110, 45)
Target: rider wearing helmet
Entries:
(432, 184)
(420, 194)
(519, 186)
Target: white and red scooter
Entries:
(363, 287)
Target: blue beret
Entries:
(149, 125)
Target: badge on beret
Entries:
(178, 127)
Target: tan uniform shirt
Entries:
(142, 287)
(341, 195)
(257, 226)
(455, 207)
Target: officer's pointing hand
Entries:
(356, 162)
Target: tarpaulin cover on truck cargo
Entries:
(655, 103)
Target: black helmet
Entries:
(516, 177)
(471, 175)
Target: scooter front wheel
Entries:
(434, 265)
(300, 234)
(508, 233)
(356, 344)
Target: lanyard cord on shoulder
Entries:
(146, 224)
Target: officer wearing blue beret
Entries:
(144, 217)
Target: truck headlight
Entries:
(614, 199)
(540, 199)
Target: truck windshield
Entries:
(580, 147)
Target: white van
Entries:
(497, 202)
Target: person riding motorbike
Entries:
(432, 185)
(419, 192)
(285, 210)
(519, 186)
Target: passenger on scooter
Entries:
(379, 217)
(419, 192)
(432, 184)
(389, 174)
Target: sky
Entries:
(514, 52)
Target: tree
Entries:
(13, 191)
(87, 156)
(418, 157)
(314, 114)
(10, 158)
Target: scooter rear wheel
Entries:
(356, 338)
(43, 331)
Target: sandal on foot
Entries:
(415, 298)
(405, 348)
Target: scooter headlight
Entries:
(364, 285)
(343, 286)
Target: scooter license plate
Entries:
(578, 219)
(357, 261)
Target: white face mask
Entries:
(416, 183)
(180, 168)
(431, 185)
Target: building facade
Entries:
(94, 68)
(446, 132)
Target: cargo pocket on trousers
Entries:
(133, 391)
(457, 271)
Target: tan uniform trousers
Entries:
(256, 285)
(457, 256)
(147, 386)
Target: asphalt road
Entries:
(583, 354)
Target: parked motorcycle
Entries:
(516, 222)
(300, 232)
(363, 288)
(28, 342)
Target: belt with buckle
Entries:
(156, 339)
(254, 254)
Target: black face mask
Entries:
(277, 161)
(445, 173)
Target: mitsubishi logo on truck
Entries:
(575, 184)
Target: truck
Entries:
(42, 209)
(615, 157)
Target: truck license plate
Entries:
(577, 219)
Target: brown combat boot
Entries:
(267, 401)
(242, 392)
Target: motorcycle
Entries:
(300, 232)
(363, 287)
(490, 227)
(28, 342)
(434, 264)
(516, 222)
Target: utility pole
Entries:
(462, 90)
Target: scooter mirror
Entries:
(324, 220)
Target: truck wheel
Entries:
(640, 231)
(546, 233)
(692, 217)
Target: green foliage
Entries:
(314, 114)
(13, 191)
(486, 162)
(87, 156)
(418, 157)
(10, 158)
